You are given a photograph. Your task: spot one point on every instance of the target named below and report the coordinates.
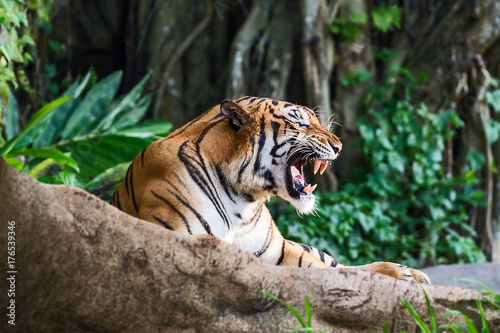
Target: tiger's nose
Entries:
(337, 147)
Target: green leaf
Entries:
(493, 99)
(125, 107)
(290, 308)
(492, 128)
(307, 306)
(416, 316)
(12, 117)
(91, 108)
(16, 164)
(430, 309)
(37, 119)
(484, 322)
(470, 325)
(113, 175)
(131, 118)
(57, 121)
(147, 128)
(55, 154)
(382, 18)
(396, 15)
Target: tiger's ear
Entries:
(238, 116)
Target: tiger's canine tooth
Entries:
(317, 164)
(307, 189)
(323, 167)
(313, 188)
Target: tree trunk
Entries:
(82, 265)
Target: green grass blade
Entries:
(306, 329)
(416, 316)
(492, 302)
(12, 117)
(307, 306)
(386, 329)
(37, 119)
(485, 328)
(454, 327)
(470, 325)
(292, 310)
(430, 308)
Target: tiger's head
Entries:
(273, 141)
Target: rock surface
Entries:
(487, 273)
(84, 266)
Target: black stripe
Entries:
(242, 169)
(270, 178)
(224, 182)
(132, 189)
(126, 179)
(280, 260)
(305, 247)
(174, 209)
(243, 99)
(255, 220)
(321, 256)
(275, 102)
(142, 156)
(252, 100)
(183, 200)
(262, 100)
(287, 105)
(203, 178)
(117, 200)
(300, 259)
(163, 223)
(267, 243)
(262, 141)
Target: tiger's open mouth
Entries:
(295, 180)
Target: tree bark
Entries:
(82, 265)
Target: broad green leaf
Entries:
(37, 119)
(147, 128)
(492, 128)
(90, 109)
(396, 15)
(113, 175)
(382, 18)
(57, 121)
(53, 153)
(125, 106)
(41, 168)
(16, 164)
(12, 117)
(131, 118)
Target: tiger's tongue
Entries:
(296, 175)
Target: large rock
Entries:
(83, 265)
(451, 275)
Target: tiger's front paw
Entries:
(400, 272)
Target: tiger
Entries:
(214, 175)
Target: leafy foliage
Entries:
(400, 206)
(85, 138)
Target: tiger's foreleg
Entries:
(397, 271)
